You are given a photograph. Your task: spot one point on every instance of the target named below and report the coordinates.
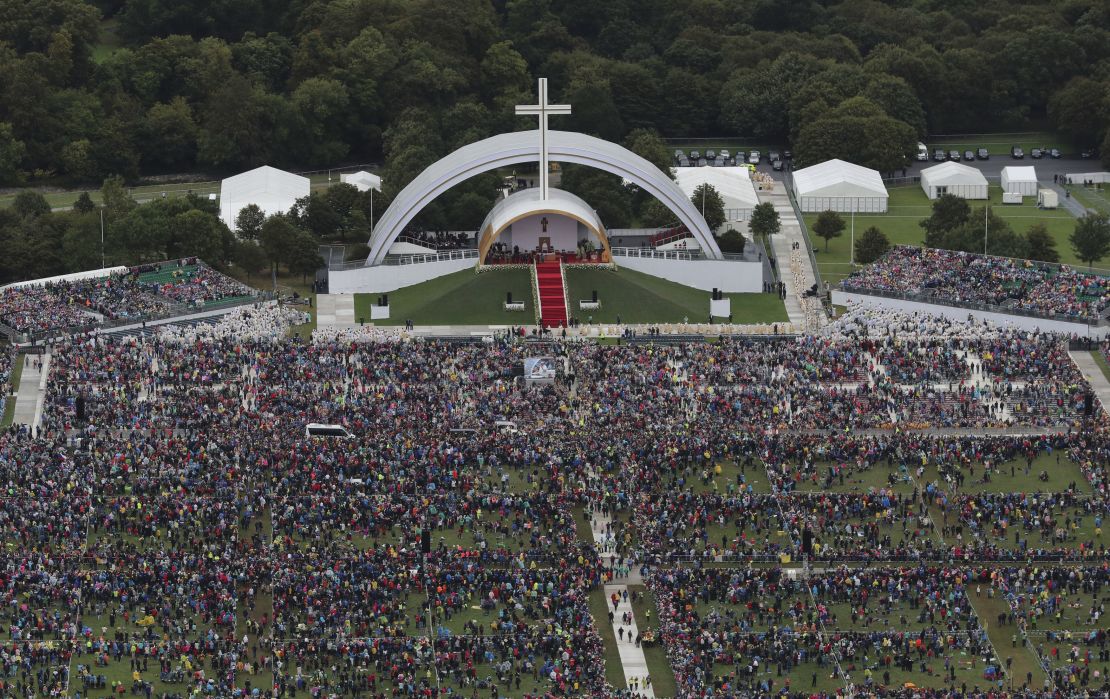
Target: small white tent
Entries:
(362, 180)
(840, 186)
(734, 184)
(272, 190)
(954, 178)
(1020, 179)
(1081, 177)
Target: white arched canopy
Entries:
(524, 146)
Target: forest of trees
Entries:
(216, 86)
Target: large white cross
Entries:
(542, 110)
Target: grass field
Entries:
(1097, 199)
(908, 206)
(641, 298)
(462, 298)
(13, 387)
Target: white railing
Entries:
(413, 259)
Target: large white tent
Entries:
(734, 184)
(840, 186)
(1021, 179)
(953, 178)
(362, 180)
(272, 190)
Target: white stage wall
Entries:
(729, 276)
(384, 278)
(526, 233)
(843, 298)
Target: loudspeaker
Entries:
(1088, 404)
(595, 295)
(715, 297)
(508, 297)
(807, 542)
(425, 541)
(385, 299)
(80, 407)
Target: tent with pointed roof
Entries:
(272, 190)
(362, 180)
(840, 186)
(954, 178)
(734, 184)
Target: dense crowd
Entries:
(185, 536)
(967, 278)
(134, 294)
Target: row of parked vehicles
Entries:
(1016, 152)
(724, 157)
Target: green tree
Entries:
(170, 134)
(28, 203)
(949, 213)
(304, 255)
(248, 223)
(872, 245)
(315, 214)
(708, 201)
(828, 225)
(1040, 245)
(198, 233)
(765, 220)
(249, 257)
(1091, 238)
(649, 145)
(655, 214)
(117, 202)
(12, 151)
(859, 131)
(731, 240)
(84, 204)
(277, 238)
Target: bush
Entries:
(731, 241)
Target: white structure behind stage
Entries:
(1020, 179)
(734, 184)
(840, 186)
(954, 178)
(362, 180)
(526, 221)
(272, 190)
(1081, 177)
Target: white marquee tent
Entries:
(274, 191)
(954, 178)
(734, 184)
(1020, 179)
(362, 180)
(1081, 177)
(840, 186)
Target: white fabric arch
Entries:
(524, 146)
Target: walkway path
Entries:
(795, 269)
(1093, 373)
(633, 661)
(335, 310)
(32, 390)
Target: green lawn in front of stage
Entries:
(460, 298)
(641, 298)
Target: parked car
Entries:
(684, 162)
(1055, 153)
(754, 157)
(788, 155)
(1036, 153)
(773, 156)
(725, 154)
(922, 152)
(679, 154)
(1088, 153)
(969, 155)
(694, 155)
(983, 154)
(954, 155)
(776, 165)
(711, 154)
(702, 162)
(1017, 153)
(939, 155)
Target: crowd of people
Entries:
(184, 535)
(961, 278)
(137, 294)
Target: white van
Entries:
(319, 429)
(922, 152)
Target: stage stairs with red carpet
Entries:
(553, 295)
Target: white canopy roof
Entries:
(952, 173)
(362, 180)
(272, 190)
(734, 184)
(837, 178)
(71, 277)
(1019, 173)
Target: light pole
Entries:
(102, 265)
(986, 211)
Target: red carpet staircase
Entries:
(553, 297)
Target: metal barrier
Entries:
(412, 259)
